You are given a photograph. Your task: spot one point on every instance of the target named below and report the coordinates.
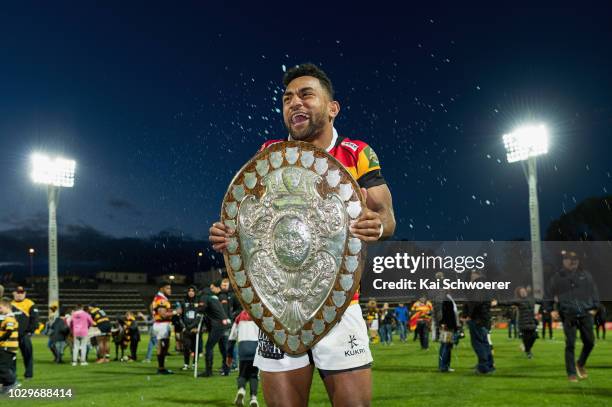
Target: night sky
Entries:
(161, 105)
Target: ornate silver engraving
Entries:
(346, 281)
(292, 243)
(262, 167)
(354, 245)
(293, 341)
(318, 326)
(306, 336)
(338, 297)
(240, 277)
(351, 263)
(307, 158)
(238, 192)
(346, 191)
(329, 313)
(232, 246)
(321, 165)
(280, 336)
(276, 159)
(291, 206)
(353, 208)
(235, 261)
(257, 310)
(247, 294)
(291, 155)
(268, 323)
(231, 208)
(333, 178)
(250, 180)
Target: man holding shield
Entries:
(343, 356)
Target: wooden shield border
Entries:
(239, 278)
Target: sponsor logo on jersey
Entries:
(350, 145)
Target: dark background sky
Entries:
(161, 104)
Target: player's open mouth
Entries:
(298, 118)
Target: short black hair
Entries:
(309, 69)
(216, 283)
(164, 283)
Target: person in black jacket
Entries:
(526, 320)
(232, 308)
(477, 313)
(190, 320)
(448, 321)
(26, 314)
(59, 332)
(217, 321)
(572, 294)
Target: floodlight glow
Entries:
(58, 171)
(525, 142)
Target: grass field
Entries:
(404, 375)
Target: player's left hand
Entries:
(368, 225)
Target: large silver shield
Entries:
(293, 262)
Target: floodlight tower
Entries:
(54, 172)
(525, 144)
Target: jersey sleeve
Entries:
(368, 168)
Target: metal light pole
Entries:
(31, 252)
(524, 145)
(55, 173)
(200, 254)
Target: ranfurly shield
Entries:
(293, 262)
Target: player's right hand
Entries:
(219, 235)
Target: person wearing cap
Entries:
(572, 295)
(190, 325)
(217, 321)
(26, 314)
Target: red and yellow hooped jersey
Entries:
(9, 327)
(360, 160)
(161, 301)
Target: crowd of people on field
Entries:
(572, 298)
(87, 330)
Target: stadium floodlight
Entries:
(56, 173)
(525, 144)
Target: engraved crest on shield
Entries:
(293, 244)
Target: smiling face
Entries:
(307, 108)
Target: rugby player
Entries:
(101, 322)
(162, 316)
(343, 356)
